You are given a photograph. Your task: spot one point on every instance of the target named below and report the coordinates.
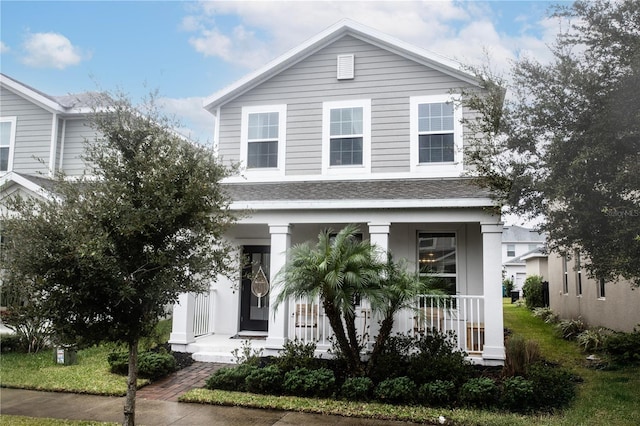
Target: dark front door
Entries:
(254, 308)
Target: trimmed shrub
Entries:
(393, 361)
(267, 380)
(520, 353)
(438, 358)
(624, 348)
(356, 389)
(437, 393)
(305, 382)
(553, 386)
(532, 291)
(593, 339)
(546, 315)
(399, 390)
(230, 378)
(151, 365)
(570, 329)
(516, 394)
(481, 392)
(296, 354)
(11, 343)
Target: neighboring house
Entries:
(352, 126)
(518, 242)
(573, 294)
(39, 135)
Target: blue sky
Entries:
(190, 50)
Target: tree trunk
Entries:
(335, 321)
(381, 340)
(132, 382)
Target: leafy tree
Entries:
(109, 251)
(565, 144)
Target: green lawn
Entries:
(40, 372)
(33, 421)
(605, 397)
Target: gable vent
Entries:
(345, 67)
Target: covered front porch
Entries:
(212, 325)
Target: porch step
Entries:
(219, 357)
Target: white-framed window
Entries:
(263, 139)
(565, 275)
(7, 143)
(346, 137)
(511, 250)
(578, 274)
(601, 288)
(435, 135)
(437, 259)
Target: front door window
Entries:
(254, 310)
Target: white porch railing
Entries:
(202, 314)
(462, 315)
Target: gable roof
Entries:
(519, 234)
(69, 104)
(325, 38)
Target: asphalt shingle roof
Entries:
(409, 189)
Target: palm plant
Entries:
(339, 270)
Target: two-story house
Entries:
(519, 243)
(352, 126)
(39, 135)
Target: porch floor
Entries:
(219, 347)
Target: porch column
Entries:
(182, 323)
(278, 322)
(493, 351)
(379, 236)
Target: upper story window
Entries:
(511, 250)
(346, 137)
(7, 142)
(436, 135)
(263, 138)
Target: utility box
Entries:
(515, 295)
(65, 355)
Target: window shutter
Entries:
(345, 67)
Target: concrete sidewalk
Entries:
(156, 413)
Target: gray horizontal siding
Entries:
(75, 132)
(33, 133)
(382, 76)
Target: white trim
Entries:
(359, 204)
(39, 99)
(321, 40)
(25, 183)
(12, 141)
(53, 144)
(62, 138)
(319, 177)
(448, 169)
(216, 133)
(345, 67)
(261, 173)
(343, 171)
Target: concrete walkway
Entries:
(156, 413)
(156, 405)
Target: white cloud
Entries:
(50, 50)
(264, 29)
(3, 47)
(197, 123)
